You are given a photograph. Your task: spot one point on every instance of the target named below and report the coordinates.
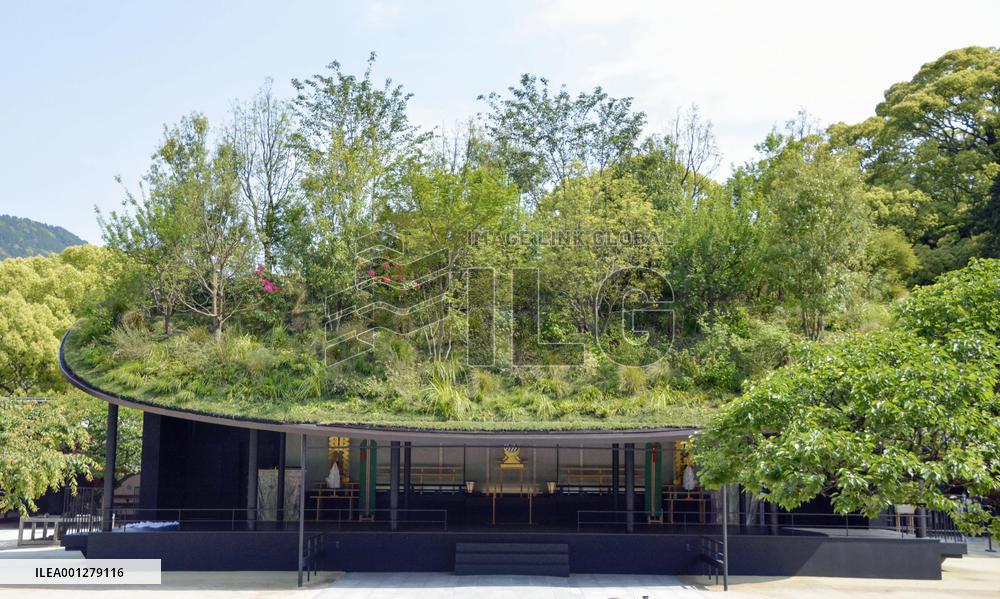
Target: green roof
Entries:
(244, 378)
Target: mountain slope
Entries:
(21, 237)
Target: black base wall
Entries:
(589, 553)
(200, 551)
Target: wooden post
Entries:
(110, 457)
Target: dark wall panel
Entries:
(193, 465)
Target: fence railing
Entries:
(937, 524)
(313, 548)
(128, 519)
(712, 557)
(242, 519)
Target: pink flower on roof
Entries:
(268, 286)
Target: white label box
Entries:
(43, 572)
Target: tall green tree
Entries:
(819, 220)
(40, 298)
(544, 136)
(676, 168)
(28, 346)
(356, 146)
(39, 452)
(261, 137)
(150, 232)
(904, 415)
(589, 229)
(218, 249)
(937, 135)
(716, 253)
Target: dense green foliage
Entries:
(251, 293)
(322, 259)
(909, 414)
(932, 150)
(39, 452)
(23, 237)
(47, 445)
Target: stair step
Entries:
(532, 559)
(511, 558)
(511, 548)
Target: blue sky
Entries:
(85, 88)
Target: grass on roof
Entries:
(281, 378)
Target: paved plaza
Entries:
(447, 586)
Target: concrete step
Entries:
(536, 559)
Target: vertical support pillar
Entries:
(921, 518)
(252, 478)
(630, 487)
(302, 506)
(744, 500)
(149, 491)
(279, 507)
(557, 466)
(408, 473)
(615, 475)
(725, 538)
(367, 482)
(654, 482)
(772, 516)
(394, 485)
(110, 457)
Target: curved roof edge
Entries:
(386, 433)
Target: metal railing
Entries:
(938, 525)
(712, 557)
(683, 521)
(242, 519)
(314, 547)
(405, 517)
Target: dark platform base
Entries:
(815, 555)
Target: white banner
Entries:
(41, 572)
